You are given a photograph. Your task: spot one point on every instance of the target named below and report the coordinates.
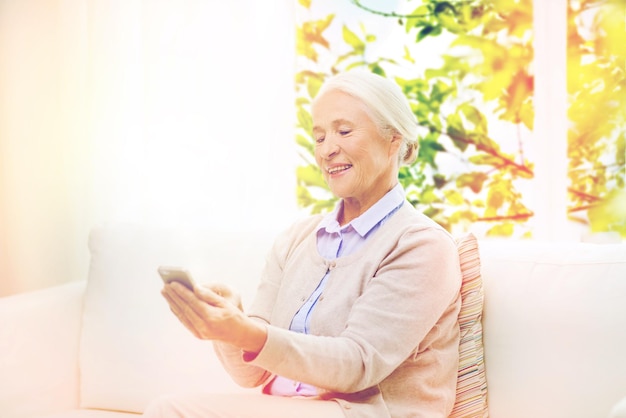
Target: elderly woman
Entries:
(356, 314)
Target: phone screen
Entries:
(176, 274)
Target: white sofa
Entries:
(554, 327)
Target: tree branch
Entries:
(580, 208)
(585, 196)
(490, 151)
(358, 4)
(516, 217)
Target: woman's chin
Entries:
(336, 188)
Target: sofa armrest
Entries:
(619, 410)
(39, 338)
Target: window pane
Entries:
(597, 113)
(465, 66)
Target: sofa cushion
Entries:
(471, 391)
(133, 348)
(619, 410)
(39, 334)
(554, 327)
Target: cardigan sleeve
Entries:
(244, 374)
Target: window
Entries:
(487, 81)
(596, 83)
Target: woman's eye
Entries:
(319, 139)
(344, 132)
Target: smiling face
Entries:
(359, 164)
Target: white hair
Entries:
(387, 105)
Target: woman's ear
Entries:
(395, 143)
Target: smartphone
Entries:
(176, 274)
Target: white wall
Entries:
(154, 111)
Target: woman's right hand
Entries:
(214, 312)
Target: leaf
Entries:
(611, 19)
(463, 215)
(453, 197)
(446, 14)
(410, 86)
(312, 31)
(309, 34)
(305, 3)
(473, 180)
(377, 69)
(353, 40)
(501, 230)
(304, 48)
(485, 159)
(407, 55)
(440, 180)
(440, 92)
(310, 175)
(456, 131)
(301, 101)
(432, 212)
(356, 64)
(425, 31)
(484, 143)
(305, 143)
(419, 17)
(495, 198)
(519, 91)
(527, 114)
(313, 85)
(473, 115)
(610, 214)
(324, 206)
(304, 119)
(428, 150)
(428, 196)
(445, 7)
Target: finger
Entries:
(202, 299)
(177, 302)
(188, 302)
(228, 296)
(183, 311)
(220, 288)
(173, 299)
(211, 295)
(200, 311)
(181, 291)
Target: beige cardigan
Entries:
(384, 334)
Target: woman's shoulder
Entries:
(410, 221)
(414, 219)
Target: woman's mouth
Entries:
(338, 169)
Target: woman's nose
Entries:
(329, 148)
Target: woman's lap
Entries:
(205, 405)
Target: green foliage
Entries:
(467, 171)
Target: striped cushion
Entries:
(471, 391)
